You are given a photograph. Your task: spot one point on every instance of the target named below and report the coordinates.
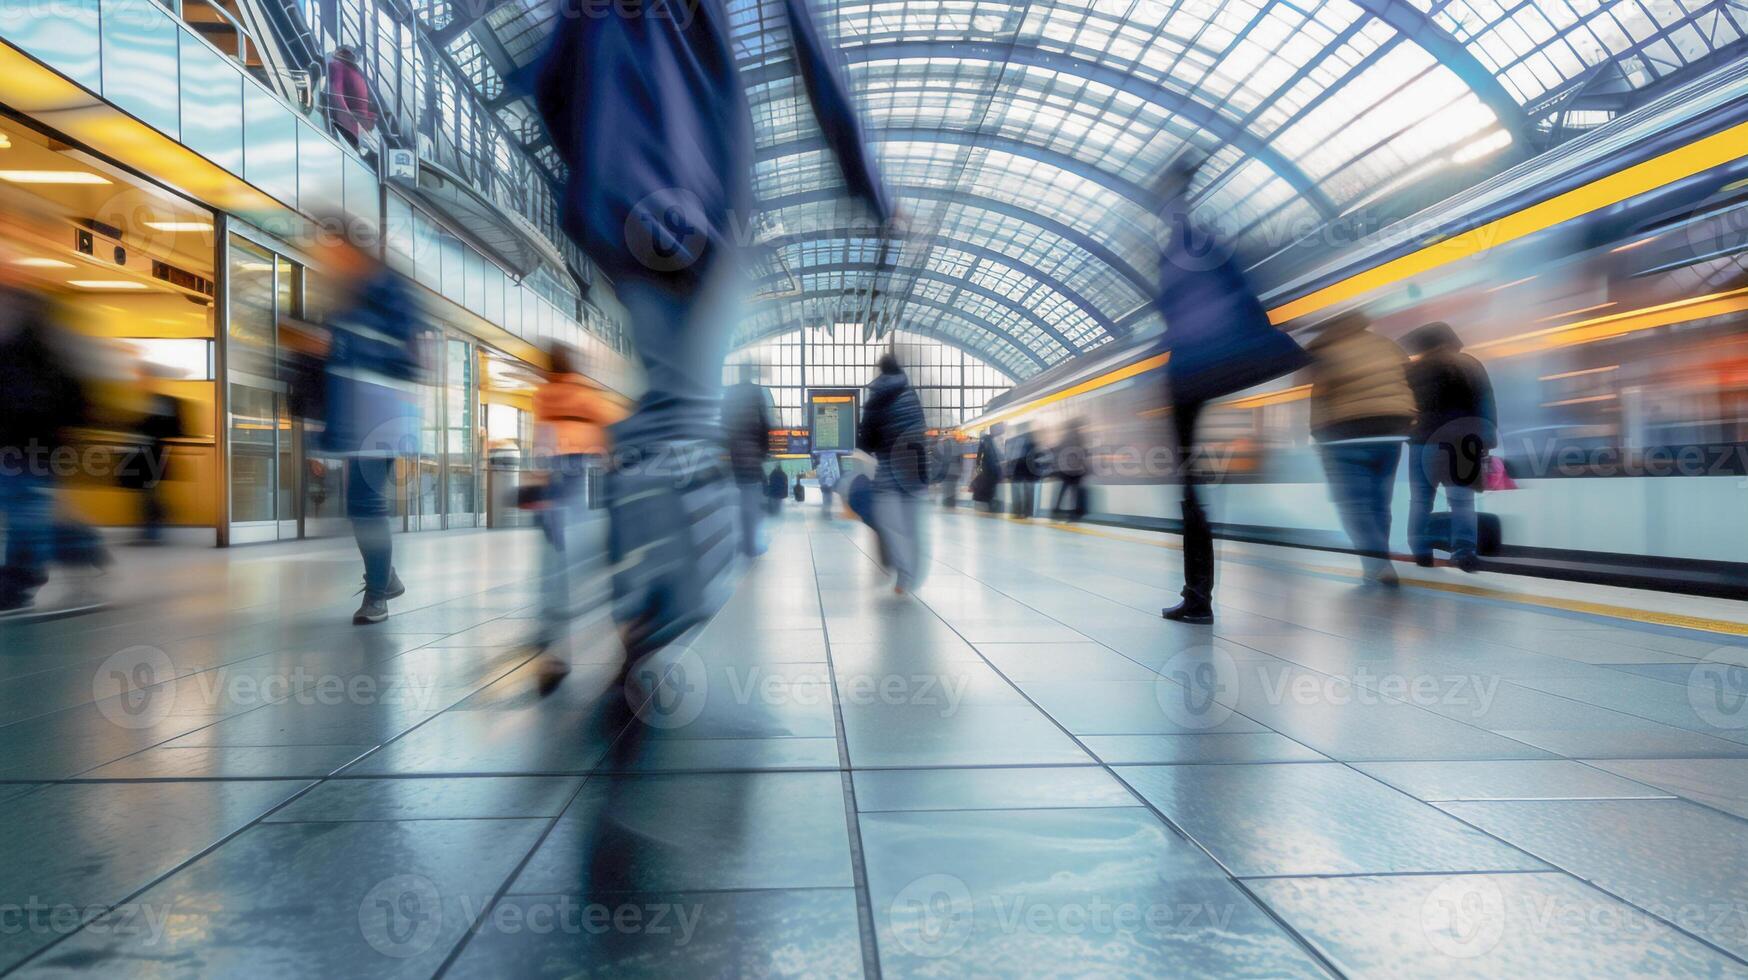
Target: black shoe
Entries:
(373, 610)
(1468, 563)
(1190, 613)
(1424, 561)
(15, 605)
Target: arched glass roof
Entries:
(1024, 138)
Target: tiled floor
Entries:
(1021, 770)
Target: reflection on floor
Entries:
(1019, 771)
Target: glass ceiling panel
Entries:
(1070, 109)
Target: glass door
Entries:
(255, 395)
(460, 466)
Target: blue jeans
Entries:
(1425, 475)
(575, 544)
(27, 501)
(1362, 479)
(370, 482)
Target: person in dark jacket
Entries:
(650, 115)
(160, 423)
(1070, 470)
(747, 421)
(1025, 474)
(1220, 341)
(1457, 426)
(41, 397)
(373, 369)
(986, 472)
(1361, 411)
(950, 464)
(894, 429)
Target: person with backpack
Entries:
(747, 421)
(1361, 413)
(1457, 425)
(986, 472)
(895, 431)
(373, 369)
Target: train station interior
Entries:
(825, 488)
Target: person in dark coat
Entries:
(1457, 426)
(950, 462)
(41, 397)
(986, 475)
(1023, 478)
(1070, 470)
(160, 423)
(1221, 341)
(650, 115)
(894, 429)
(747, 421)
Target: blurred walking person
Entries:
(1024, 474)
(895, 431)
(1457, 426)
(571, 415)
(776, 490)
(373, 369)
(828, 473)
(986, 472)
(1361, 414)
(1070, 471)
(41, 398)
(148, 466)
(651, 118)
(1221, 342)
(747, 422)
(950, 458)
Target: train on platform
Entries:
(1604, 285)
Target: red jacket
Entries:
(349, 100)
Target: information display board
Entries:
(832, 420)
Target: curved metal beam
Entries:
(1410, 22)
(915, 272)
(1098, 250)
(1181, 104)
(1142, 197)
(918, 326)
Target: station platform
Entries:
(1018, 770)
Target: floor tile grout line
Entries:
(1293, 934)
(865, 926)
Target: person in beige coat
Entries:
(1362, 411)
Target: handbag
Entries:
(1495, 477)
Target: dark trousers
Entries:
(1198, 533)
(1070, 483)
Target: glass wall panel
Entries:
(140, 41)
(454, 266)
(398, 234)
(67, 42)
(363, 197)
(254, 325)
(254, 453)
(289, 293)
(269, 143)
(473, 295)
(459, 426)
(320, 182)
(427, 252)
(212, 105)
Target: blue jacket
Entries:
(1219, 335)
(650, 114)
(372, 371)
